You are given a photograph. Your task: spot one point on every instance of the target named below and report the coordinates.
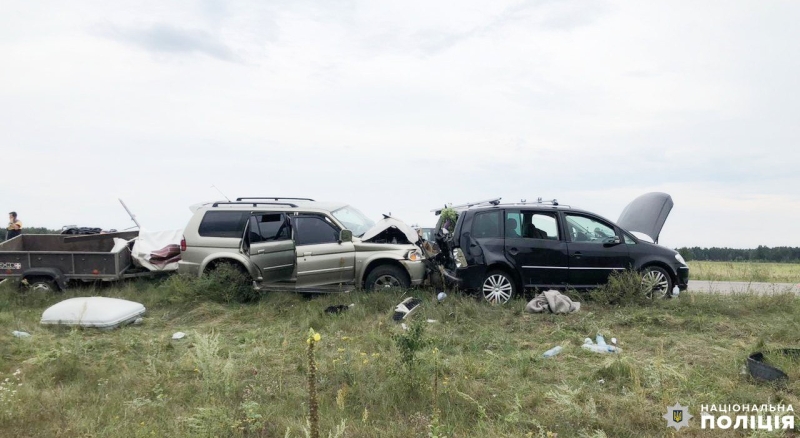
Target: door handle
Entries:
(578, 254)
(513, 251)
(260, 251)
(306, 254)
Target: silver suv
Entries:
(302, 245)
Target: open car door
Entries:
(647, 214)
(268, 242)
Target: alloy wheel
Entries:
(497, 289)
(387, 282)
(655, 284)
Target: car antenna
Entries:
(133, 216)
(220, 192)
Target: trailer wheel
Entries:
(40, 285)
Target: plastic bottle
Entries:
(676, 291)
(600, 340)
(553, 351)
(21, 334)
(597, 348)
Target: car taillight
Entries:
(183, 244)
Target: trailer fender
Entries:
(55, 274)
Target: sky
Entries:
(401, 107)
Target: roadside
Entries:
(729, 287)
(240, 370)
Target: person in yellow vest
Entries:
(14, 226)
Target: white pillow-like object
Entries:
(100, 312)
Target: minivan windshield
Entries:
(353, 220)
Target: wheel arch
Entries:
(214, 261)
(52, 274)
(508, 269)
(381, 261)
(673, 276)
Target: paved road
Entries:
(726, 287)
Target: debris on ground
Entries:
(98, 312)
(19, 334)
(402, 310)
(178, 335)
(766, 372)
(338, 308)
(553, 351)
(600, 346)
(552, 301)
(441, 296)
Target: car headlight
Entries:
(414, 255)
(679, 258)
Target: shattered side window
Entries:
(487, 224)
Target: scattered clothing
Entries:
(338, 309)
(552, 301)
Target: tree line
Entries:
(780, 254)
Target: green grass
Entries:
(745, 271)
(241, 371)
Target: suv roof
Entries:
(492, 203)
(290, 204)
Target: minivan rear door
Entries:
(268, 242)
(536, 247)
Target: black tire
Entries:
(44, 285)
(387, 277)
(498, 287)
(656, 282)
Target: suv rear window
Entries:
(487, 224)
(223, 224)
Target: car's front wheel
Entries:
(387, 277)
(656, 282)
(498, 287)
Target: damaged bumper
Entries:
(683, 277)
(416, 271)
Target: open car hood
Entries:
(391, 224)
(647, 214)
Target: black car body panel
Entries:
(544, 246)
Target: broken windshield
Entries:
(353, 220)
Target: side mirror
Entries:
(614, 240)
(345, 236)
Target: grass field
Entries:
(242, 369)
(745, 271)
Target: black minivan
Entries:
(499, 249)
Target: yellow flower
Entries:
(366, 361)
(317, 337)
(363, 354)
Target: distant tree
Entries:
(779, 254)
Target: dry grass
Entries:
(745, 271)
(241, 371)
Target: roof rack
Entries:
(495, 201)
(276, 198)
(254, 204)
(540, 201)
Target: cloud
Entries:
(165, 38)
